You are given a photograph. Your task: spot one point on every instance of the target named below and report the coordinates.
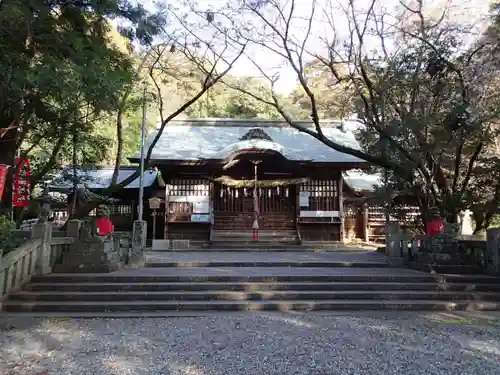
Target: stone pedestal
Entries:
(73, 228)
(89, 253)
(493, 250)
(139, 233)
(393, 240)
(43, 232)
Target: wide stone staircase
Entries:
(268, 239)
(193, 283)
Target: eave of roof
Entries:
(100, 178)
(208, 139)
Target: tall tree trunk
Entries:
(119, 122)
(75, 174)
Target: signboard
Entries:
(201, 207)
(22, 184)
(3, 176)
(304, 199)
(154, 203)
(200, 218)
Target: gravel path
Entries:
(363, 343)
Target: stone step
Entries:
(256, 286)
(298, 264)
(259, 247)
(237, 243)
(275, 246)
(263, 274)
(273, 295)
(248, 234)
(282, 306)
(224, 275)
(221, 241)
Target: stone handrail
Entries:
(36, 256)
(17, 267)
(471, 250)
(58, 245)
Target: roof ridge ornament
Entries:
(256, 133)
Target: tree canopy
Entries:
(60, 72)
(421, 83)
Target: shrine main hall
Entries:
(212, 176)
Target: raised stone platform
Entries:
(252, 281)
(365, 259)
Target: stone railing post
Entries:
(139, 233)
(43, 232)
(393, 237)
(73, 228)
(493, 250)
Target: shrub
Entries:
(8, 241)
(5, 228)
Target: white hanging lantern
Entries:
(286, 192)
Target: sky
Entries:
(472, 11)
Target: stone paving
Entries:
(249, 344)
(253, 271)
(193, 256)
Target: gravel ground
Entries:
(363, 343)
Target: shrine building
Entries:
(219, 172)
(214, 176)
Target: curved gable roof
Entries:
(199, 139)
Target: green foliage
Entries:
(64, 68)
(334, 100)
(222, 101)
(427, 114)
(5, 228)
(6, 235)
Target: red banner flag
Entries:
(3, 176)
(22, 183)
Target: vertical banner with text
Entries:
(3, 176)
(22, 184)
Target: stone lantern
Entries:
(45, 206)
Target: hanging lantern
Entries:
(286, 192)
(245, 193)
(221, 193)
(269, 193)
(236, 193)
(278, 190)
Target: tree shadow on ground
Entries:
(280, 343)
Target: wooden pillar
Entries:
(211, 192)
(167, 196)
(366, 224)
(340, 196)
(154, 225)
(296, 189)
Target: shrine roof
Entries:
(362, 181)
(202, 139)
(99, 178)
